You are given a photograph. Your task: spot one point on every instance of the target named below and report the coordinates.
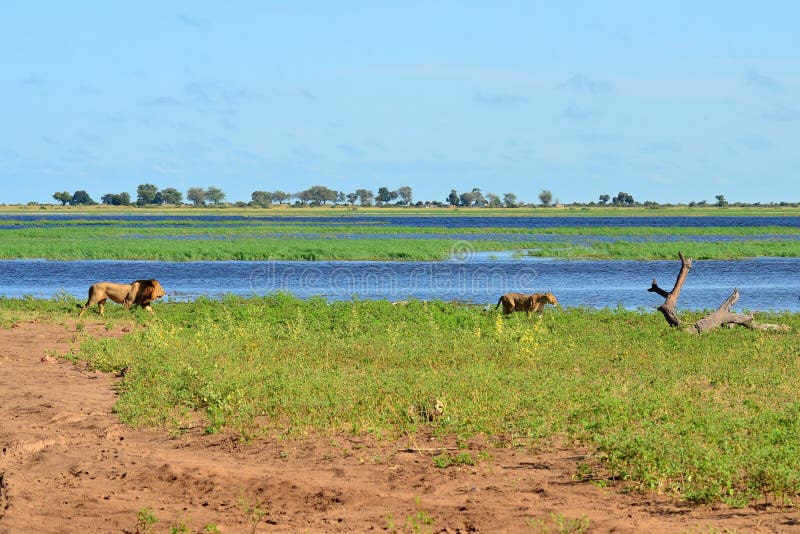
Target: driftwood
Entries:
(722, 316)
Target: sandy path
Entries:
(68, 465)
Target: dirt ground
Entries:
(69, 465)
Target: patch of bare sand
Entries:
(68, 465)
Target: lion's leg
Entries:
(101, 305)
(148, 308)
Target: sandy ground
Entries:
(69, 465)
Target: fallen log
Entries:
(722, 316)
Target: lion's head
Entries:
(551, 298)
(147, 291)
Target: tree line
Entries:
(319, 195)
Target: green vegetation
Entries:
(707, 418)
(187, 239)
(560, 524)
(145, 520)
(446, 459)
(623, 250)
(52, 310)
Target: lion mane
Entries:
(138, 293)
(513, 302)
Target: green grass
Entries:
(191, 240)
(707, 418)
(622, 250)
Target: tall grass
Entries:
(708, 418)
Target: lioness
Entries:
(138, 293)
(528, 303)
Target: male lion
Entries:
(138, 293)
(528, 303)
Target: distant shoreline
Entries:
(311, 211)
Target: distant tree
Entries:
(170, 195)
(341, 198)
(351, 198)
(465, 199)
(385, 196)
(365, 196)
(281, 196)
(721, 202)
(318, 195)
(510, 200)
(622, 199)
(119, 199)
(546, 197)
(63, 197)
(215, 195)
(478, 199)
(604, 199)
(494, 200)
(405, 195)
(453, 198)
(197, 196)
(81, 198)
(303, 196)
(261, 198)
(146, 194)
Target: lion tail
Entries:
(498, 302)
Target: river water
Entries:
(764, 283)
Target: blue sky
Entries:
(667, 101)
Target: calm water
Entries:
(765, 284)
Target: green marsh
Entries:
(188, 239)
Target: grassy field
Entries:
(708, 418)
(190, 238)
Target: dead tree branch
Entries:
(668, 308)
(722, 316)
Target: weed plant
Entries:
(707, 418)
